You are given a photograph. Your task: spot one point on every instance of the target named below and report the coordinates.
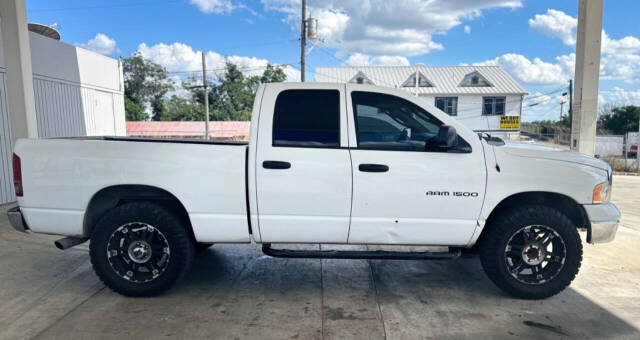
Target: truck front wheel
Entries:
(531, 252)
(140, 249)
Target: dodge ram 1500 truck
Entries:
(325, 163)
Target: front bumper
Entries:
(605, 218)
(16, 220)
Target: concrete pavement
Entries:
(235, 292)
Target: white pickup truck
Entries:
(325, 163)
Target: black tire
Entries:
(202, 247)
(167, 240)
(499, 251)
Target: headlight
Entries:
(602, 192)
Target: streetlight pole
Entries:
(303, 40)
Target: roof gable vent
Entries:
(361, 78)
(475, 79)
(422, 81)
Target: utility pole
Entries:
(303, 40)
(206, 97)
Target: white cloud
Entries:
(102, 44)
(536, 71)
(213, 6)
(386, 28)
(331, 23)
(358, 59)
(619, 60)
(179, 57)
(556, 24)
(467, 29)
(620, 96)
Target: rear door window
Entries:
(307, 118)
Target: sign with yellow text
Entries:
(509, 122)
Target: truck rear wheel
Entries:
(140, 249)
(531, 252)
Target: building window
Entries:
(448, 104)
(493, 105)
(307, 118)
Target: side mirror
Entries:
(447, 137)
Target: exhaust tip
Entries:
(58, 245)
(68, 242)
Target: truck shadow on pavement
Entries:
(400, 299)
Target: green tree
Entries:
(273, 74)
(231, 98)
(620, 120)
(134, 111)
(145, 82)
(182, 109)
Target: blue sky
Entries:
(532, 40)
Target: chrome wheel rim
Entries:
(535, 254)
(138, 252)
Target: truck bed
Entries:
(62, 175)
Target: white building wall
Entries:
(77, 93)
(609, 146)
(58, 108)
(470, 112)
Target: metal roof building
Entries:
(445, 79)
(476, 95)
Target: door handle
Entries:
(276, 165)
(373, 168)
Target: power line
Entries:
(275, 42)
(327, 52)
(246, 68)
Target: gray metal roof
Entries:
(445, 79)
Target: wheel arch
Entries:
(112, 196)
(574, 210)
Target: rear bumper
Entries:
(16, 220)
(605, 219)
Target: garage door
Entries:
(6, 182)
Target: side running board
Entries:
(453, 253)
